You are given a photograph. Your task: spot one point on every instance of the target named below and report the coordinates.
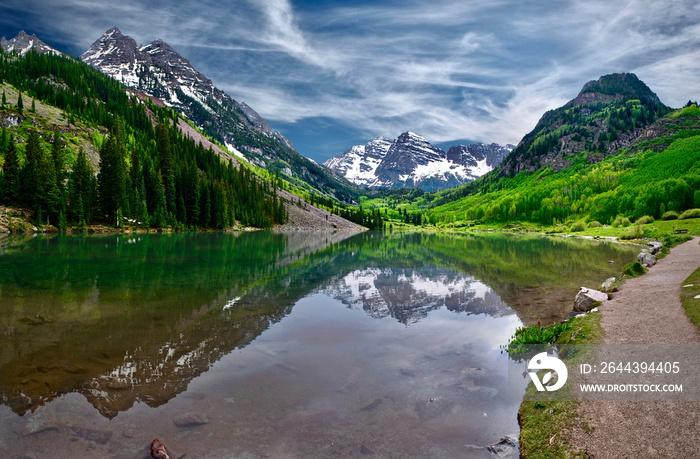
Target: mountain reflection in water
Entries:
(409, 295)
(134, 319)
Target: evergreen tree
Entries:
(11, 182)
(181, 210)
(166, 164)
(33, 106)
(191, 193)
(159, 219)
(62, 218)
(80, 190)
(58, 156)
(48, 196)
(20, 104)
(205, 205)
(111, 180)
(4, 99)
(28, 174)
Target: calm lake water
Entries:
(283, 346)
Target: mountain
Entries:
(412, 162)
(409, 295)
(613, 155)
(78, 150)
(157, 70)
(22, 43)
(608, 114)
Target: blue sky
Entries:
(331, 74)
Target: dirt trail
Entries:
(647, 310)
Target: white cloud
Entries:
(449, 69)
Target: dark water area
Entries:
(270, 345)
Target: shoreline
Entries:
(636, 316)
(646, 309)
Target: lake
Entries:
(259, 345)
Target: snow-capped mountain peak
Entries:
(159, 71)
(411, 161)
(23, 43)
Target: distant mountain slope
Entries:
(608, 114)
(22, 43)
(158, 70)
(412, 162)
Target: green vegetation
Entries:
(621, 186)
(691, 304)
(638, 185)
(525, 338)
(152, 177)
(690, 213)
(670, 215)
(634, 269)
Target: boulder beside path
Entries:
(586, 297)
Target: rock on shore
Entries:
(586, 297)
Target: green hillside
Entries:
(630, 184)
(62, 118)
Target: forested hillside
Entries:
(149, 172)
(658, 176)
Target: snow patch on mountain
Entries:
(23, 43)
(411, 161)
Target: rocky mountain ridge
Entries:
(23, 43)
(411, 161)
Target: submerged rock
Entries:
(94, 435)
(41, 420)
(505, 444)
(191, 419)
(586, 297)
(372, 405)
(158, 450)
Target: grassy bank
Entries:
(690, 303)
(545, 425)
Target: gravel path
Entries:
(647, 309)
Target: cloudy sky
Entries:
(331, 74)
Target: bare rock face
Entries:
(646, 259)
(586, 297)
